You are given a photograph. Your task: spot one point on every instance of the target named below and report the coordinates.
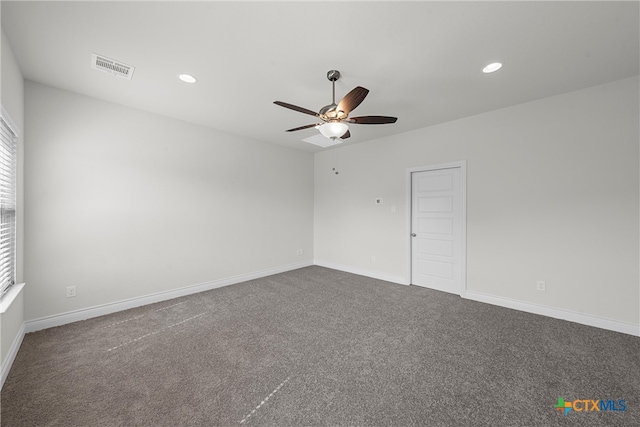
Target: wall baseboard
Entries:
(584, 319)
(361, 272)
(101, 310)
(11, 355)
(87, 313)
(556, 313)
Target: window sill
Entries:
(11, 295)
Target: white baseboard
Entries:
(11, 355)
(373, 274)
(101, 310)
(556, 313)
(87, 313)
(584, 319)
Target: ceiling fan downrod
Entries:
(332, 76)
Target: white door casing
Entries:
(437, 235)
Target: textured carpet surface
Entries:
(321, 347)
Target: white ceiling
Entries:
(421, 61)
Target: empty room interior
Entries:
(320, 213)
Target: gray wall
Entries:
(552, 194)
(123, 203)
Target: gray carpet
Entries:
(321, 347)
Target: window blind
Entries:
(7, 207)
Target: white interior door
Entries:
(436, 229)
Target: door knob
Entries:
(413, 234)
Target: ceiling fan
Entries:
(335, 117)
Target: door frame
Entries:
(462, 164)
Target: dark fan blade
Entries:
(303, 127)
(346, 135)
(371, 120)
(296, 108)
(353, 99)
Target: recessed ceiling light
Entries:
(492, 67)
(187, 78)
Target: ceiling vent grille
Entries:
(111, 66)
(322, 141)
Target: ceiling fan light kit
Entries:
(336, 116)
(334, 129)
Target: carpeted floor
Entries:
(321, 347)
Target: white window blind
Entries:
(7, 206)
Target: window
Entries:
(8, 152)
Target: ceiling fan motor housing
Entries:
(330, 113)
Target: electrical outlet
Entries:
(300, 252)
(71, 291)
(541, 285)
(373, 259)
